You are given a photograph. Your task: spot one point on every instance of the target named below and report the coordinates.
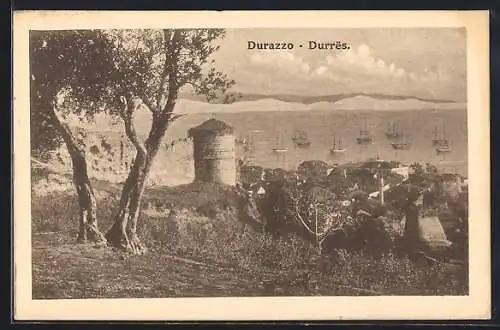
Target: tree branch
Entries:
(173, 87)
(63, 128)
(164, 74)
(146, 101)
(142, 95)
(297, 211)
(128, 119)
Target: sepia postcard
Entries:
(287, 165)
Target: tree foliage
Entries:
(69, 71)
(149, 68)
(65, 67)
(154, 64)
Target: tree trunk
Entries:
(89, 231)
(88, 227)
(123, 232)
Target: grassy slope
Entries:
(64, 270)
(198, 262)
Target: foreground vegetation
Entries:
(193, 252)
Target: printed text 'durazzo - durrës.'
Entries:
(312, 45)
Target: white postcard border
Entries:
(474, 306)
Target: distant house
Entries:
(404, 171)
(377, 193)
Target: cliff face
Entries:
(110, 156)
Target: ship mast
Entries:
(394, 128)
(279, 140)
(364, 131)
(435, 132)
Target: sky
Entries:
(422, 62)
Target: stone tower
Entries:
(214, 152)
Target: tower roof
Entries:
(212, 126)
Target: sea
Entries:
(270, 129)
(267, 130)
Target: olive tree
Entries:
(67, 70)
(150, 67)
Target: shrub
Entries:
(216, 235)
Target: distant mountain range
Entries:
(359, 102)
(355, 103)
(314, 99)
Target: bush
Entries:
(217, 236)
(55, 212)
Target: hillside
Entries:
(189, 106)
(186, 106)
(369, 103)
(199, 245)
(307, 99)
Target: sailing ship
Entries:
(364, 135)
(440, 141)
(300, 139)
(439, 137)
(251, 141)
(248, 145)
(279, 148)
(402, 143)
(443, 149)
(393, 132)
(337, 146)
